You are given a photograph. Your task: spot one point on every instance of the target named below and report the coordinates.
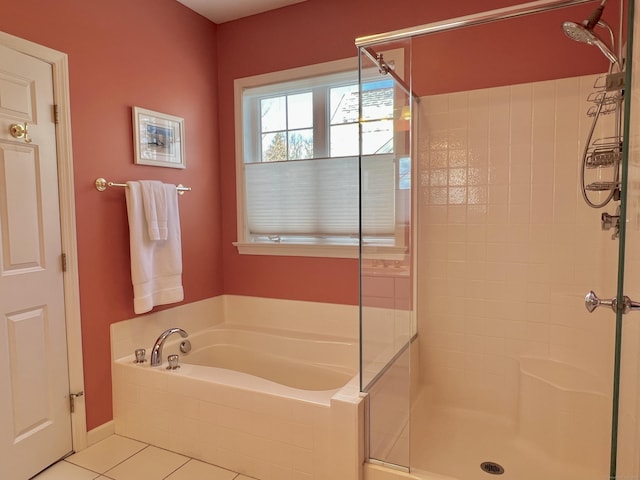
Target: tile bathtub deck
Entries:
(121, 458)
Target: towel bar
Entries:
(101, 185)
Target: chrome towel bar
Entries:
(101, 185)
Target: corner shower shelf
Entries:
(602, 186)
(604, 152)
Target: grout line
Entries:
(174, 471)
(146, 446)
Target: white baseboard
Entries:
(100, 433)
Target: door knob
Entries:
(591, 301)
(20, 131)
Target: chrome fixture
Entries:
(607, 98)
(611, 222)
(101, 185)
(481, 18)
(173, 362)
(385, 68)
(140, 355)
(185, 346)
(591, 302)
(583, 32)
(156, 353)
(580, 33)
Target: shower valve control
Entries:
(611, 222)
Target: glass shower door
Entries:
(510, 373)
(386, 258)
(626, 442)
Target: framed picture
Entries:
(158, 139)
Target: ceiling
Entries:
(220, 11)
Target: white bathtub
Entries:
(291, 360)
(270, 404)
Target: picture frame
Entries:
(158, 139)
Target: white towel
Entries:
(156, 266)
(154, 201)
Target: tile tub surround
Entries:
(290, 315)
(508, 248)
(272, 432)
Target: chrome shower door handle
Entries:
(630, 305)
(591, 302)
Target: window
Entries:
(297, 166)
(286, 127)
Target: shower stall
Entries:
(516, 168)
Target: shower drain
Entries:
(492, 468)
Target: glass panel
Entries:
(273, 114)
(386, 273)
(507, 366)
(300, 144)
(344, 140)
(274, 147)
(343, 102)
(377, 137)
(627, 445)
(300, 110)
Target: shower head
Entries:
(578, 32)
(581, 32)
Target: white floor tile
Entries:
(152, 463)
(106, 454)
(66, 471)
(195, 470)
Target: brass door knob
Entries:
(20, 131)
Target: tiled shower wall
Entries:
(507, 249)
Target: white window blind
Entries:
(319, 197)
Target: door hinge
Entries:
(72, 400)
(56, 114)
(63, 261)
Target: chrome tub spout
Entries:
(156, 353)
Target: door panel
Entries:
(17, 99)
(21, 215)
(35, 421)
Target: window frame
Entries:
(301, 79)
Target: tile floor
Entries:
(120, 458)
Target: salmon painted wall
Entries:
(155, 54)
(159, 55)
(523, 50)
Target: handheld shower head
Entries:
(578, 32)
(583, 33)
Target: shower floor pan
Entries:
(455, 442)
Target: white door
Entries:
(35, 419)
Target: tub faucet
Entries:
(156, 353)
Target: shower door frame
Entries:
(365, 46)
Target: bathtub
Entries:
(309, 364)
(271, 404)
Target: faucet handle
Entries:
(173, 362)
(140, 355)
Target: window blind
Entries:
(319, 197)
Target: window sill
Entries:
(326, 251)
